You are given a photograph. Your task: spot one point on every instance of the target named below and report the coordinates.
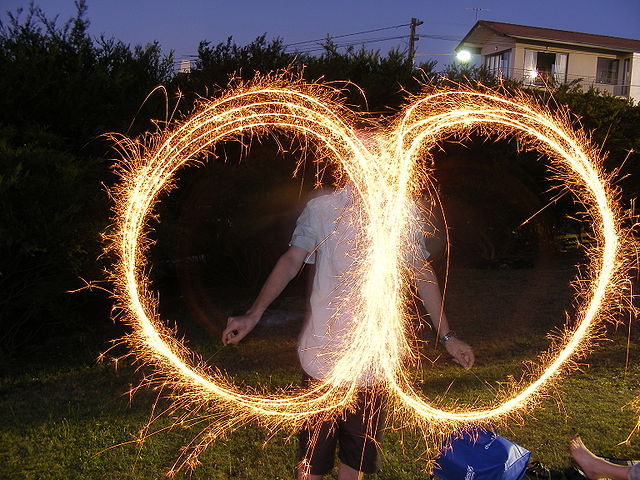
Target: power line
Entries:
(347, 35)
(448, 38)
(320, 47)
(310, 48)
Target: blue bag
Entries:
(482, 455)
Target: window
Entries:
(607, 71)
(542, 68)
(498, 63)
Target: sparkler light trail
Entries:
(385, 179)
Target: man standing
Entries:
(326, 234)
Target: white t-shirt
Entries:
(327, 230)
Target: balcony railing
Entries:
(544, 79)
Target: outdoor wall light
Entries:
(463, 56)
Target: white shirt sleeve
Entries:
(305, 234)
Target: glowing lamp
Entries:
(463, 56)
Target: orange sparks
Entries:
(385, 178)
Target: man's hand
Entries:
(460, 351)
(286, 268)
(238, 328)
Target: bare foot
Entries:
(587, 461)
(592, 466)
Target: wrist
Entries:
(254, 315)
(447, 336)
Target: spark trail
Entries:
(385, 180)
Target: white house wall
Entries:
(634, 91)
(581, 64)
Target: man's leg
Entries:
(316, 445)
(316, 450)
(359, 435)
(303, 473)
(345, 472)
(595, 467)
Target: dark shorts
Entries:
(356, 433)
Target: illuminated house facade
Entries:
(537, 56)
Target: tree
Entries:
(61, 91)
(217, 64)
(378, 84)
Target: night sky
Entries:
(180, 26)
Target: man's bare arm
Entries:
(286, 268)
(429, 292)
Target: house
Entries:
(537, 56)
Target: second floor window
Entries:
(498, 63)
(542, 68)
(607, 71)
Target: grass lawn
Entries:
(73, 420)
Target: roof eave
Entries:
(561, 42)
(471, 47)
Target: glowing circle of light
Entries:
(463, 56)
(384, 181)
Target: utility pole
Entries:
(413, 38)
